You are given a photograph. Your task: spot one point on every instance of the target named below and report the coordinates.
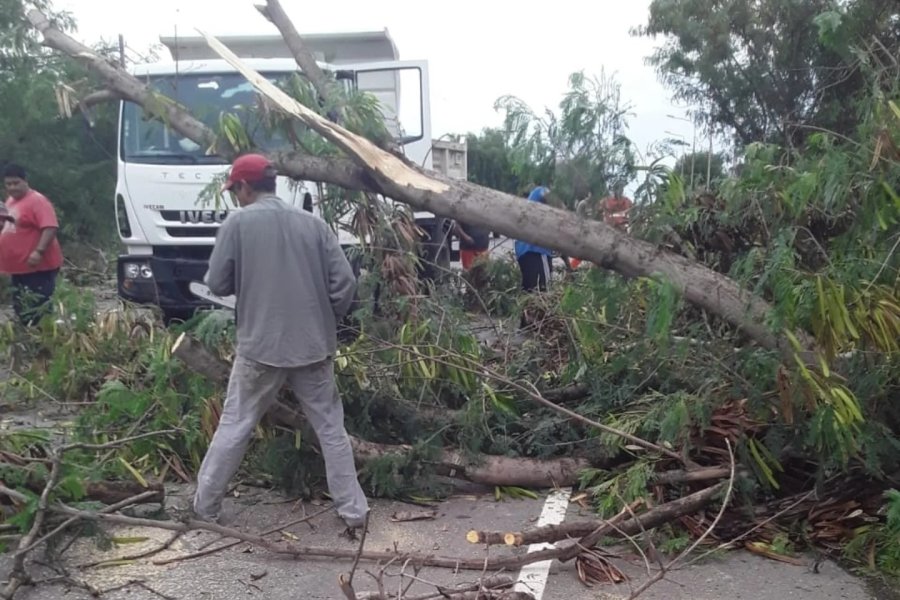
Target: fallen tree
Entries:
(372, 169)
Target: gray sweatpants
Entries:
(252, 389)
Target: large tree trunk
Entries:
(375, 170)
(484, 469)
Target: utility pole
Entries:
(693, 146)
(683, 144)
(121, 50)
(709, 155)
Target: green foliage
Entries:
(807, 223)
(877, 546)
(694, 167)
(581, 151)
(767, 70)
(68, 161)
(489, 162)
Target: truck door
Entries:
(401, 88)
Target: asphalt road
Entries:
(245, 572)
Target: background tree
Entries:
(694, 167)
(70, 162)
(489, 162)
(769, 69)
(581, 151)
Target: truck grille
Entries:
(183, 232)
(184, 252)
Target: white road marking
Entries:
(533, 577)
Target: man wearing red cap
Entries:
(292, 284)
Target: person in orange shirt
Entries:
(29, 250)
(614, 211)
(474, 243)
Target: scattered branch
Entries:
(19, 577)
(725, 503)
(654, 517)
(345, 580)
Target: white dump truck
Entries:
(167, 233)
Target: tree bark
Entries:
(486, 469)
(376, 170)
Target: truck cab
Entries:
(165, 219)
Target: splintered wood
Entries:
(356, 146)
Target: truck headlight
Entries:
(138, 271)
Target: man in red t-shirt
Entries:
(29, 250)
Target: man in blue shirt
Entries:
(534, 261)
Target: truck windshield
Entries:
(206, 96)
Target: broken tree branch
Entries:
(375, 170)
(574, 529)
(555, 228)
(208, 551)
(273, 11)
(345, 580)
(495, 583)
(19, 576)
(725, 503)
(679, 476)
(121, 82)
(298, 551)
(489, 469)
(142, 497)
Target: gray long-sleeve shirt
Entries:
(291, 280)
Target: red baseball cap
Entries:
(249, 167)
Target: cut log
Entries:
(570, 393)
(112, 492)
(577, 529)
(678, 476)
(375, 170)
(486, 469)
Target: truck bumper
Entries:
(162, 282)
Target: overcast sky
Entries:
(477, 50)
